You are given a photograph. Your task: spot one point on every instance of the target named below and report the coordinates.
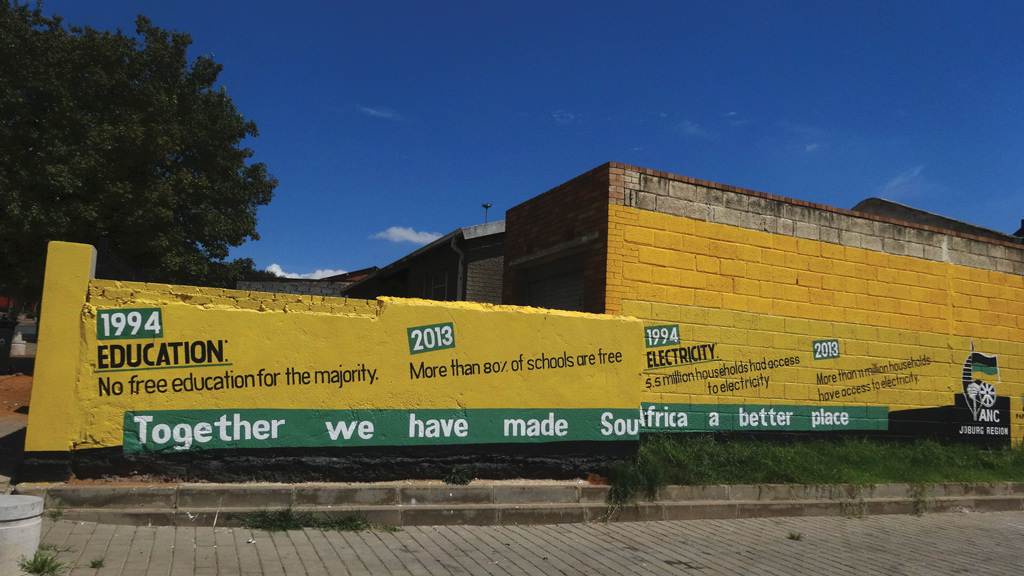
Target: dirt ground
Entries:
(15, 391)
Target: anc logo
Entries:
(980, 370)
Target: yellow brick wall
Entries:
(661, 258)
(759, 296)
(111, 293)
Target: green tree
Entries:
(106, 135)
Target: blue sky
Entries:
(378, 116)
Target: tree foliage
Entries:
(106, 135)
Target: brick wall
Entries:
(559, 217)
(767, 278)
(709, 202)
(484, 268)
(695, 244)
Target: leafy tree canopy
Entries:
(105, 135)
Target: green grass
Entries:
(704, 460)
(53, 548)
(459, 475)
(289, 519)
(42, 563)
(97, 563)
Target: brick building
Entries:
(884, 318)
(623, 233)
(465, 264)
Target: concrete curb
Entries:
(484, 503)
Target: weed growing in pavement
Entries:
(460, 475)
(53, 548)
(349, 523)
(276, 520)
(795, 536)
(42, 563)
(852, 504)
(56, 513)
(97, 563)
(920, 495)
(289, 519)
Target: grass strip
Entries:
(705, 460)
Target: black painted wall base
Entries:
(549, 461)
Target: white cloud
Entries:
(563, 117)
(276, 269)
(906, 184)
(802, 137)
(385, 113)
(732, 119)
(691, 128)
(402, 234)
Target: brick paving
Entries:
(933, 544)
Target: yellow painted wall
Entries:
(661, 258)
(514, 363)
(761, 296)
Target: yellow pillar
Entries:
(69, 268)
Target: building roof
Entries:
(470, 232)
(897, 211)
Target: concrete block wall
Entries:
(111, 293)
(765, 279)
(483, 280)
(709, 202)
(725, 248)
(313, 288)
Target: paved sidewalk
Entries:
(933, 544)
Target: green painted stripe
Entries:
(186, 430)
(675, 418)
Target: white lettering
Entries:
(436, 428)
(534, 428)
(142, 421)
(202, 432)
(184, 435)
(824, 417)
(611, 426)
(345, 431)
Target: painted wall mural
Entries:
(803, 378)
(160, 368)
